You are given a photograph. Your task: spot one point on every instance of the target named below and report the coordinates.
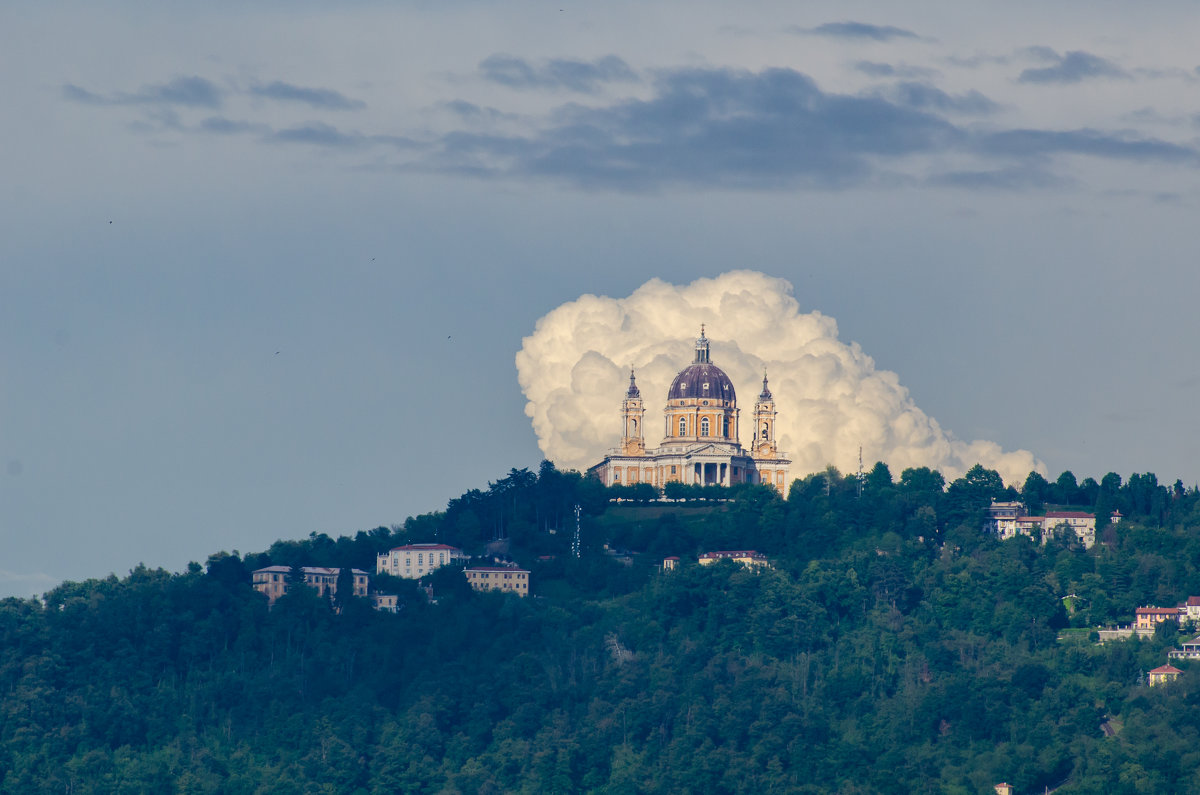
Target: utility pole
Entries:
(860, 472)
(575, 541)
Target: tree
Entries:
(1065, 489)
(295, 577)
(344, 587)
(1034, 492)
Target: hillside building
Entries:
(1010, 519)
(747, 557)
(498, 578)
(1151, 617)
(273, 581)
(414, 561)
(700, 444)
(1163, 675)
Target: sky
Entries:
(266, 268)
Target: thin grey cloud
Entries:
(1074, 67)
(1019, 178)
(469, 111)
(194, 92)
(1164, 74)
(857, 30)
(877, 69)
(223, 126)
(924, 96)
(585, 77)
(318, 134)
(321, 98)
(1095, 143)
(977, 60)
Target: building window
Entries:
(704, 426)
(725, 426)
(683, 426)
(672, 469)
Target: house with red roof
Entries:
(1163, 674)
(1147, 618)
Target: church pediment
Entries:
(712, 448)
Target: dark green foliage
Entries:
(894, 648)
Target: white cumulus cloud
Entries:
(831, 399)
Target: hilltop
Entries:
(893, 646)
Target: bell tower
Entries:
(632, 413)
(764, 445)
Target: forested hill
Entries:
(893, 648)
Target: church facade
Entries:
(700, 444)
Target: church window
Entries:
(725, 427)
(704, 426)
(672, 469)
(764, 430)
(683, 426)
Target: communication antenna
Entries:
(575, 541)
(860, 472)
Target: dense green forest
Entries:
(893, 648)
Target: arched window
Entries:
(765, 426)
(683, 426)
(704, 426)
(634, 427)
(725, 426)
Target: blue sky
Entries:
(264, 268)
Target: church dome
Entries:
(704, 381)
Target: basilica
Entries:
(700, 442)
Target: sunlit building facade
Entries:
(700, 444)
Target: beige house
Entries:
(1010, 519)
(498, 578)
(414, 561)
(273, 581)
(1151, 617)
(385, 602)
(1084, 524)
(1163, 674)
(1190, 610)
(747, 557)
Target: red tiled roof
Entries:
(1193, 601)
(1069, 515)
(1166, 669)
(1156, 611)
